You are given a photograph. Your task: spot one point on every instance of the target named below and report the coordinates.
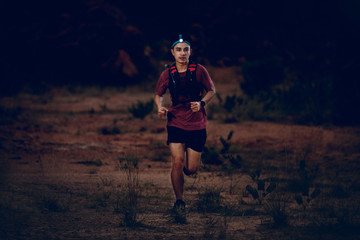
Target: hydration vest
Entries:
(189, 87)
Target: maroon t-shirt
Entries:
(181, 115)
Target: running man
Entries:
(186, 118)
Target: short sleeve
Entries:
(204, 77)
(163, 83)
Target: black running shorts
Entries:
(193, 139)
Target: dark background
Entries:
(310, 48)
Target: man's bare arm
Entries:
(209, 95)
(162, 111)
(196, 106)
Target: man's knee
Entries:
(191, 170)
(178, 163)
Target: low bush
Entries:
(141, 109)
(222, 157)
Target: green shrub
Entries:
(211, 156)
(261, 75)
(110, 130)
(264, 186)
(303, 185)
(141, 109)
(231, 102)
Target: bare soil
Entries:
(61, 177)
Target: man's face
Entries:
(181, 53)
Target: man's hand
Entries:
(195, 106)
(162, 112)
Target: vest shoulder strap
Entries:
(191, 78)
(191, 68)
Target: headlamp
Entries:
(180, 41)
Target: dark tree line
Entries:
(311, 47)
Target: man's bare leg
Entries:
(178, 161)
(192, 162)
